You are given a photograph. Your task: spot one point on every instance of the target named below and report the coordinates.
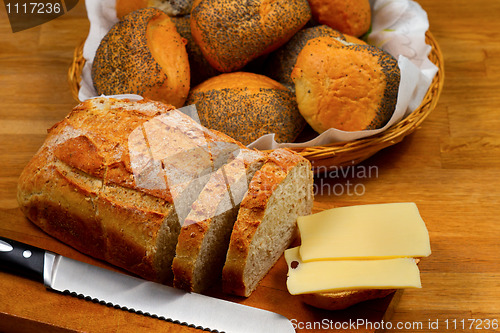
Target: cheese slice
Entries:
(336, 275)
(379, 231)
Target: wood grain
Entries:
(450, 167)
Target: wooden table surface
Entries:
(450, 167)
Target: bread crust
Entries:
(348, 87)
(124, 7)
(246, 106)
(200, 68)
(250, 217)
(231, 33)
(143, 54)
(280, 63)
(352, 17)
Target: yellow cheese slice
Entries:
(336, 275)
(377, 231)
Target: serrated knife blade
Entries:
(67, 275)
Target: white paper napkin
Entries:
(102, 16)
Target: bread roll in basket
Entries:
(338, 153)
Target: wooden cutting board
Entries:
(27, 306)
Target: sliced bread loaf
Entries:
(100, 181)
(204, 236)
(279, 192)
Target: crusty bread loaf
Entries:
(279, 192)
(171, 7)
(204, 237)
(231, 33)
(143, 54)
(246, 106)
(106, 180)
(352, 17)
(349, 87)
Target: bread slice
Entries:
(279, 192)
(100, 184)
(204, 236)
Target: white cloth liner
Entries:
(398, 27)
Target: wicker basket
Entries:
(342, 153)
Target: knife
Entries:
(133, 294)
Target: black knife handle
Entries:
(21, 259)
